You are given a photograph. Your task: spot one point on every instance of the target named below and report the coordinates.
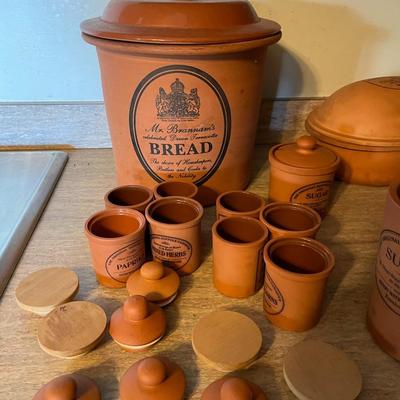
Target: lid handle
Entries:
(306, 144)
(136, 308)
(61, 388)
(152, 270)
(236, 389)
(151, 372)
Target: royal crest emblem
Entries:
(177, 103)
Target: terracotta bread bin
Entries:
(135, 197)
(182, 83)
(287, 219)
(138, 324)
(175, 232)
(116, 240)
(384, 306)
(239, 203)
(361, 123)
(302, 172)
(153, 378)
(232, 388)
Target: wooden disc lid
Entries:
(69, 387)
(226, 340)
(154, 281)
(72, 329)
(41, 291)
(233, 388)
(137, 322)
(153, 378)
(315, 370)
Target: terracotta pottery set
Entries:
(239, 203)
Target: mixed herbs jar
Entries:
(182, 84)
(302, 172)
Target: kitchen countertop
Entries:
(350, 230)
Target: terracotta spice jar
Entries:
(239, 203)
(116, 240)
(302, 172)
(285, 219)
(182, 84)
(175, 232)
(296, 274)
(138, 324)
(233, 388)
(136, 197)
(238, 266)
(175, 188)
(384, 307)
(153, 378)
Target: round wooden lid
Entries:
(226, 340)
(137, 323)
(159, 284)
(153, 378)
(41, 291)
(69, 387)
(233, 388)
(315, 370)
(72, 329)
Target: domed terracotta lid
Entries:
(69, 387)
(137, 324)
(364, 113)
(159, 284)
(232, 388)
(305, 157)
(181, 22)
(153, 378)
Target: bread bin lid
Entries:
(363, 114)
(181, 22)
(304, 157)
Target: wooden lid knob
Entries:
(61, 388)
(151, 372)
(152, 270)
(236, 389)
(136, 308)
(306, 142)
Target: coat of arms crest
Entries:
(178, 103)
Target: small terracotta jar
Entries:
(232, 388)
(238, 266)
(384, 307)
(138, 324)
(239, 203)
(302, 172)
(116, 241)
(285, 219)
(69, 387)
(136, 197)
(153, 378)
(175, 188)
(159, 284)
(175, 230)
(296, 273)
